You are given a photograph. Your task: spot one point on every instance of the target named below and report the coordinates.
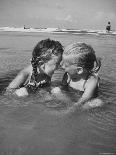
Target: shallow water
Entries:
(31, 126)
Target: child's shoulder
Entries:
(93, 79)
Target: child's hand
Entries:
(94, 103)
(22, 92)
(56, 90)
(59, 95)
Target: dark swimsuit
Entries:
(40, 80)
(108, 28)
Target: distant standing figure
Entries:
(24, 27)
(108, 27)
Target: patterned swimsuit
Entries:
(38, 81)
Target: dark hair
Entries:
(84, 56)
(41, 54)
(46, 44)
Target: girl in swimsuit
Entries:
(46, 58)
(81, 72)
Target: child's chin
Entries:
(22, 92)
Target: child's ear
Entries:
(79, 70)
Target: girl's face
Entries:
(69, 65)
(52, 64)
(55, 60)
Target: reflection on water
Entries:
(39, 124)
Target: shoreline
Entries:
(57, 31)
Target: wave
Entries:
(57, 30)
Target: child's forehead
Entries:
(71, 57)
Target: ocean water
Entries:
(30, 126)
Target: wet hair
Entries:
(84, 56)
(41, 48)
(42, 53)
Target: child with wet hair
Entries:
(81, 73)
(46, 58)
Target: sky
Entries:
(71, 14)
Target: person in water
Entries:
(81, 73)
(108, 27)
(46, 58)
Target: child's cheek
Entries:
(70, 70)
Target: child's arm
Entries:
(20, 78)
(90, 90)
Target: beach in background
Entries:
(28, 127)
